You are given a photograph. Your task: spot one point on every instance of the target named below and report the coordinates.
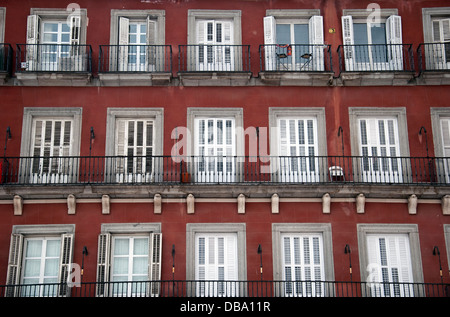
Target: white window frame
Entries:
(154, 114)
(2, 24)
(393, 36)
(275, 54)
(33, 113)
(356, 113)
(237, 229)
(105, 256)
(280, 230)
(411, 231)
(435, 56)
(17, 249)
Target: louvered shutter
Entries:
(122, 54)
(103, 264)
(65, 264)
(155, 263)
(445, 133)
(316, 40)
(201, 41)
(348, 40)
(14, 264)
(32, 49)
(155, 55)
(269, 42)
(394, 41)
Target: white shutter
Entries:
(348, 40)
(155, 56)
(103, 264)
(316, 41)
(155, 254)
(123, 41)
(33, 34)
(75, 30)
(394, 41)
(14, 264)
(445, 132)
(269, 42)
(65, 264)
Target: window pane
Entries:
(283, 34)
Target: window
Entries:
(137, 39)
(53, 41)
(217, 143)
(216, 264)
(390, 258)
(2, 24)
(134, 144)
(50, 144)
(214, 40)
(377, 139)
(372, 44)
(130, 256)
(297, 143)
(294, 40)
(440, 119)
(303, 258)
(216, 258)
(40, 260)
(437, 37)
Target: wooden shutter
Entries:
(316, 40)
(394, 41)
(33, 34)
(65, 264)
(155, 254)
(269, 42)
(155, 56)
(14, 264)
(103, 264)
(445, 132)
(348, 40)
(123, 41)
(75, 30)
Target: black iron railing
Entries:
(376, 58)
(53, 58)
(6, 58)
(434, 56)
(224, 169)
(135, 58)
(295, 58)
(186, 288)
(214, 58)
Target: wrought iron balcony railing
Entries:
(53, 58)
(295, 58)
(434, 56)
(269, 289)
(135, 58)
(376, 58)
(214, 58)
(6, 58)
(232, 170)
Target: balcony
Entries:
(376, 64)
(214, 65)
(434, 63)
(53, 64)
(295, 64)
(268, 289)
(138, 65)
(6, 58)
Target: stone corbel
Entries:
(360, 203)
(275, 201)
(71, 204)
(106, 205)
(157, 204)
(241, 204)
(18, 205)
(190, 202)
(445, 203)
(412, 204)
(326, 203)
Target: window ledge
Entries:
(215, 78)
(53, 78)
(135, 79)
(297, 78)
(430, 77)
(376, 78)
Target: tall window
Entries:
(39, 261)
(303, 264)
(216, 264)
(129, 264)
(134, 148)
(298, 149)
(441, 38)
(380, 149)
(215, 149)
(390, 265)
(294, 44)
(372, 45)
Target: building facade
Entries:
(223, 143)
